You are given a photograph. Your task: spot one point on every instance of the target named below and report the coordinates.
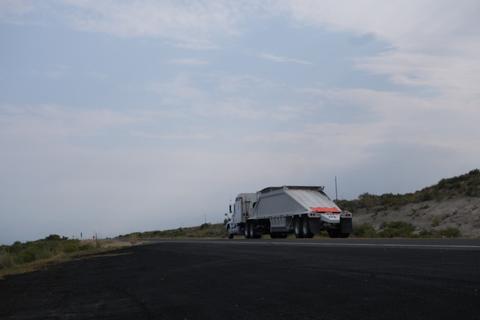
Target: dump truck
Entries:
(278, 211)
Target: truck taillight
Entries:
(331, 210)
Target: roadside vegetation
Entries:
(400, 229)
(206, 230)
(28, 256)
(466, 185)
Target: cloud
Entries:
(13, 11)
(193, 24)
(281, 59)
(182, 136)
(57, 71)
(189, 62)
(430, 43)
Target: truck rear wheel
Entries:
(246, 231)
(253, 232)
(307, 233)
(297, 227)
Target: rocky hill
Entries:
(452, 206)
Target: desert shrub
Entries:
(436, 221)
(25, 256)
(212, 230)
(86, 246)
(20, 253)
(55, 237)
(449, 232)
(71, 246)
(396, 229)
(5, 260)
(424, 233)
(364, 230)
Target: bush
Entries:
(86, 246)
(212, 230)
(364, 230)
(5, 260)
(21, 253)
(25, 256)
(55, 237)
(396, 229)
(449, 232)
(424, 233)
(71, 246)
(436, 221)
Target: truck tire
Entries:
(253, 232)
(246, 231)
(307, 233)
(297, 228)
(230, 236)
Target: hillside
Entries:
(452, 203)
(206, 230)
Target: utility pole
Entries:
(336, 192)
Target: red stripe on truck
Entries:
(325, 209)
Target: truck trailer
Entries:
(278, 211)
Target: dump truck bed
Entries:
(292, 200)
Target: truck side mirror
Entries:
(230, 208)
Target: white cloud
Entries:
(282, 59)
(450, 75)
(189, 62)
(191, 24)
(432, 43)
(181, 136)
(13, 11)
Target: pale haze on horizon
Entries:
(122, 116)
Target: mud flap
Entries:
(346, 225)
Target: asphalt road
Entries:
(257, 279)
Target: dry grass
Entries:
(95, 248)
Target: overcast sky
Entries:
(121, 116)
